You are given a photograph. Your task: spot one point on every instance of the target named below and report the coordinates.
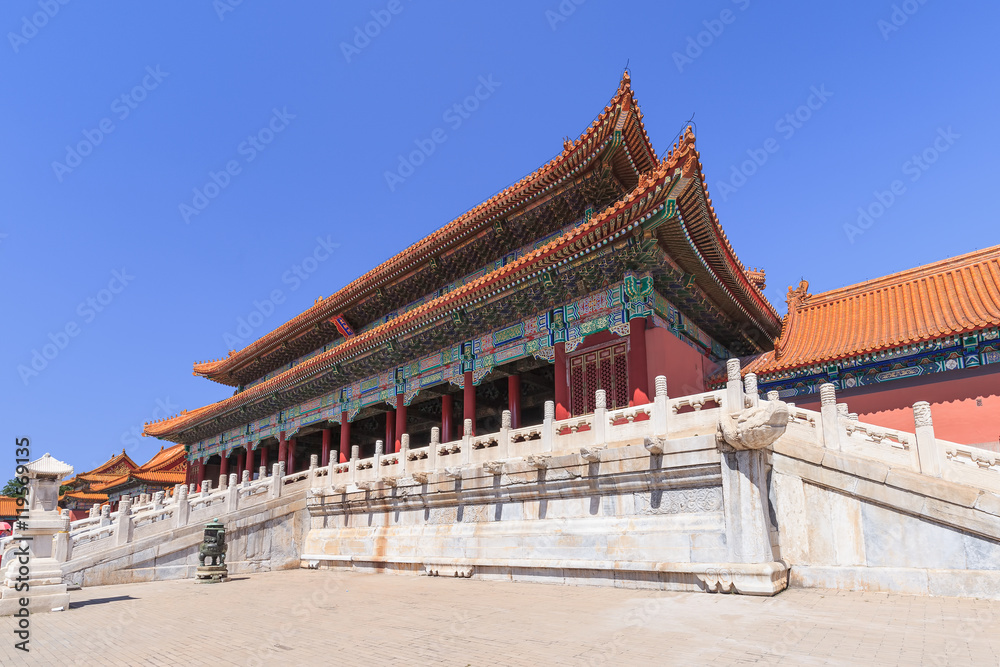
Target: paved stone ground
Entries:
(303, 617)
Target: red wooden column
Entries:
(469, 402)
(239, 465)
(514, 400)
(562, 382)
(390, 430)
(326, 447)
(290, 465)
(263, 460)
(201, 471)
(282, 449)
(345, 437)
(400, 422)
(638, 383)
(446, 418)
(224, 466)
(250, 459)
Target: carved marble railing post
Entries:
(62, 546)
(750, 389)
(548, 430)
(377, 460)
(355, 454)
(466, 441)
(313, 465)
(276, 483)
(94, 509)
(232, 495)
(222, 482)
(772, 395)
(105, 515)
(123, 525)
(600, 425)
(404, 452)
(852, 416)
(158, 500)
(334, 458)
(734, 387)
(192, 489)
(435, 443)
(262, 472)
(245, 482)
(661, 413)
(928, 453)
(206, 488)
(503, 438)
(828, 413)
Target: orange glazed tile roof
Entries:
(677, 176)
(953, 296)
(166, 478)
(621, 113)
(8, 506)
(110, 484)
(85, 495)
(168, 466)
(110, 469)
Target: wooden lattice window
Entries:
(604, 368)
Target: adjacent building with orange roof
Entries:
(83, 495)
(167, 468)
(601, 269)
(931, 333)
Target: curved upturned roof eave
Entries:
(621, 114)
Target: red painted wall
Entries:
(683, 365)
(954, 397)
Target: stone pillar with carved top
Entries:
(830, 418)
(661, 413)
(433, 447)
(600, 427)
(503, 438)
(734, 387)
(750, 389)
(928, 452)
(548, 428)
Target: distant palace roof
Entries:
(694, 237)
(620, 117)
(116, 466)
(167, 468)
(950, 297)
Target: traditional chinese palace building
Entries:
(927, 334)
(120, 476)
(601, 270)
(84, 493)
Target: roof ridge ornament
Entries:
(797, 297)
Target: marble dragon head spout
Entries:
(755, 427)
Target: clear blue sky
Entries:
(347, 113)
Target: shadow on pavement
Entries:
(84, 603)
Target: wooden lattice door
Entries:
(604, 368)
